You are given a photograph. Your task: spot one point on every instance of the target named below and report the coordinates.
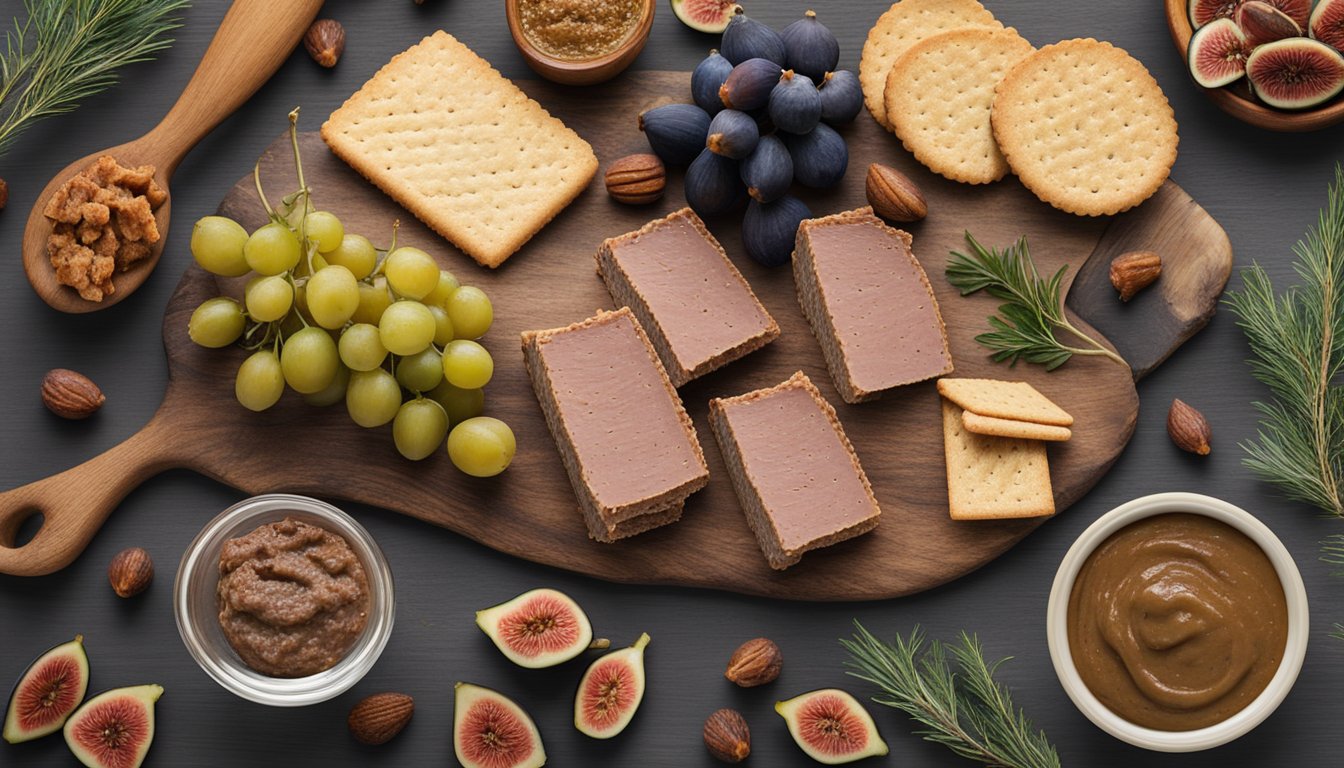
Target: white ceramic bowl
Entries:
(1238, 724)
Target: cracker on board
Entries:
(938, 97)
(991, 478)
(1016, 400)
(904, 24)
(461, 147)
(1085, 127)
(1022, 430)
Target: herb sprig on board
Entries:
(69, 50)
(1033, 310)
(965, 709)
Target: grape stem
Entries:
(378, 269)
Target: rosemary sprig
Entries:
(1332, 552)
(1034, 309)
(1297, 349)
(965, 710)
(69, 50)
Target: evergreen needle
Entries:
(965, 709)
(1033, 310)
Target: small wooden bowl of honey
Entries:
(580, 42)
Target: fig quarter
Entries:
(1188, 428)
(755, 662)
(71, 395)
(636, 179)
(377, 719)
(727, 736)
(893, 195)
(130, 572)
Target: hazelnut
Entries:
(71, 395)
(325, 41)
(636, 179)
(893, 195)
(727, 736)
(1188, 428)
(378, 718)
(130, 572)
(1132, 272)
(755, 662)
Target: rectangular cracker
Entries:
(461, 147)
(1016, 400)
(991, 478)
(1022, 430)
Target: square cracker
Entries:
(1022, 430)
(461, 147)
(1016, 400)
(991, 478)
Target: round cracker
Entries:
(938, 97)
(1085, 127)
(904, 24)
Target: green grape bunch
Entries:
(332, 317)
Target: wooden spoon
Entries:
(254, 39)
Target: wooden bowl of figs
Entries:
(1276, 64)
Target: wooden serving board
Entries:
(530, 511)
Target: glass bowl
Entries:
(196, 603)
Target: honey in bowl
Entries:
(1177, 622)
(578, 30)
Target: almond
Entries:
(636, 179)
(325, 41)
(71, 395)
(130, 572)
(378, 718)
(727, 736)
(893, 195)
(755, 662)
(1188, 428)
(1132, 272)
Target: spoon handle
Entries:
(254, 39)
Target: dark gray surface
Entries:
(1265, 189)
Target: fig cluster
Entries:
(765, 108)
(1290, 53)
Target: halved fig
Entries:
(611, 691)
(491, 731)
(540, 628)
(1204, 11)
(1263, 23)
(114, 729)
(47, 692)
(704, 15)
(1327, 23)
(1217, 53)
(831, 726)
(1297, 73)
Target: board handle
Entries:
(75, 503)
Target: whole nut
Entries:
(130, 572)
(325, 41)
(1188, 428)
(71, 395)
(1132, 272)
(755, 662)
(636, 179)
(727, 736)
(378, 718)
(893, 195)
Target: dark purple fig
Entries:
(841, 97)
(1296, 73)
(748, 86)
(746, 38)
(1297, 10)
(703, 15)
(114, 729)
(48, 692)
(768, 171)
(795, 105)
(713, 185)
(1204, 11)
(809, 47)
(1263, 23)
(769, 229)
(1327, 23)
(732, 134)
(1217, 53)
(676, 132)
(706, 81)
(820, 157)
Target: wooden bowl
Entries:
(585, 71)
(1238, 103)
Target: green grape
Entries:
(419, 428)
(273, 249)
(268, 298)
(217, 245)
(360, 347)
(309, 360)
(420, 372)
(471, 312)
(443, 327)
(217, 322)
(467, 364)
(373, 300)
(411, 272)
(356, 254)
(481, 446)
(260, 381)
(406, 327)
(443, 290)
(333, 296)
(323, 228)
(460, 404)
(335, 391)
(372, 397)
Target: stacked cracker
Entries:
(1082, 123)
(994, 435)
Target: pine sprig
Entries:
(1297, 349)
(1033, 310)
(69, 50)
(964, 709)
